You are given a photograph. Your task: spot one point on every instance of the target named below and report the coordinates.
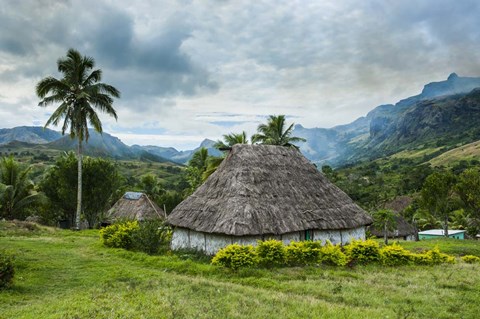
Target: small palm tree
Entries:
(274, 132)
(228, 141)
(231, 139)
(384, 219)
(80, 94)
(199, 159)
(16, 189)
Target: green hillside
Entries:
(42, 156)
(466, 152)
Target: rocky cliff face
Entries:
(388, 128)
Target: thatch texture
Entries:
(134, 206)
(267, 189)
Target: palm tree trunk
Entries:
(385, 233)
(445, 226)
(79, 186)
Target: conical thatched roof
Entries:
(267, 189)
(402, 228)
(134, 206)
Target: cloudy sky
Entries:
(189, 70)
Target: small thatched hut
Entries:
(402, 229)
(134, 206)
(261, 192)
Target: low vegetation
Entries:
(65, 274)
(272, 253)
(7, 269)
(151, 236)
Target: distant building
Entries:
(436, 233)
(134, 206)
(403, 229)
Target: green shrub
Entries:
(303, 252)
(470, 259)
(119, 235)
(395, 255)
(7, 270)
(433, 257)
(333, 255)
(271, 252)
(151, 237)
(235, 256)
(363, 251)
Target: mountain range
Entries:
(102, 145)
(445, 113)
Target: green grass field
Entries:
(65, 274)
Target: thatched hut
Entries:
(403, 229)
(134, 206)
(261, 192)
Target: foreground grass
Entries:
(63, 274)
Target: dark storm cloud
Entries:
(142, 66)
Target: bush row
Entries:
(148, 236)
(274, 253)
(7, 270)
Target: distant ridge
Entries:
(28, 134)
(379, 132)
(99, 145)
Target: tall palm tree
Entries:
(231, 139)
(274, 132)
(80, 94)
(16, 189)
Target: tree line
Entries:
(441, 198)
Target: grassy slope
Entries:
(464, 152)
(62, 274)
(413, 154)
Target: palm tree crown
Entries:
(231, 139)
(79, 93)
(274, 132)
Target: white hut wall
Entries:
(211, 243)
(180, 239)
(350, 234)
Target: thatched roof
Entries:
(402, 229)
(134, 206)
(267, 189)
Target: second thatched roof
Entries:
(402, 227)
(267, 189)
(134, 206)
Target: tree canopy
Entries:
(17, 191)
